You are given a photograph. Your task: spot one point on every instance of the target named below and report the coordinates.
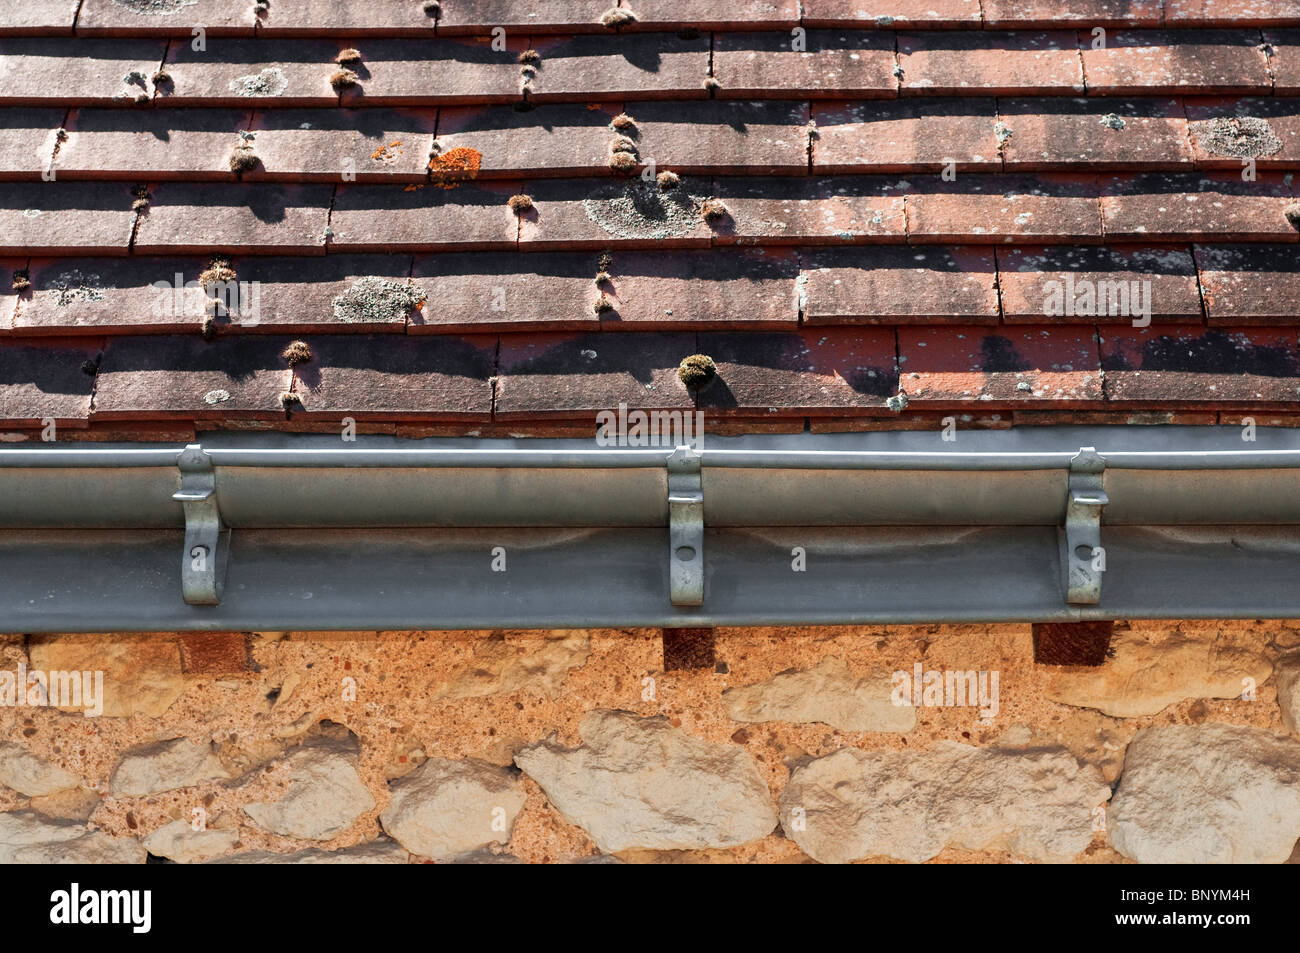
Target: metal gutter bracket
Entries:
(207, 539)
(685, 528)
(1085, 558)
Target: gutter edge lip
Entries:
(1139, 447)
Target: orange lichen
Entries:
(388, 153)
(454, 166)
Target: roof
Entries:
(915, 198)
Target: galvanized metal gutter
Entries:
(275, 531)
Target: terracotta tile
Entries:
(111, 295)
(46, 381)
(912, 136)
(1250, 284)
(411, 218)
(842, 64)
(955, 366)
(566, 375)
(185, 218)
(1237, 13)
(143, 18)
(33, 19)
(156, 378)
(246, 73)
(821, 210)
(539, 16)
(1226, 131)
(1129, 418)
(1260, 420)
(1093, 134)
(1191, 366)
(1048, 14)
(508, 291)
(814, 371)
(1215, 206)
(175, 432)
(909, 14)
(1004, 208)
(390, 375)
(893, 285)
(81, 72)
(28, 139)
(290, 295)
(753, 288)
(1284, 61)
(715, 14)
(152, 144)
(555, 140)
(732, 426)
(986, 63)
(342, 145)
(435, 72)
(1087, 284)
(935, 422)
(601, 68)
(65, 218)
(216, 653)
(1195, 62)
(768, 138)
(325, 17)
(591, 214)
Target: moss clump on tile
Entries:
(697, 370)
(343, 79)
(243, 159)
(623, 123)
(712, 85)
(603, 304)
(432, 8)
(519, 204)
(897, 403)
(296, 353)
(1292, 213)
(668, 181)
(142, 198)
(348, 57)
(289, 401)
(90, 368)
(375, 300)
(209, 329)
(218, 271)
(142, 98)
(161, 78)
(529, 58)
(623, 163)
(617, 17)
(261, 8)
(21, 281)
(623, 144)
(714, 211)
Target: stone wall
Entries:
(578, 746)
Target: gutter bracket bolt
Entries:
(685, 528)
(1085, 560)
(207, 538)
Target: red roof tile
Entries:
(513, 217)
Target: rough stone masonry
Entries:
(578, 746)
